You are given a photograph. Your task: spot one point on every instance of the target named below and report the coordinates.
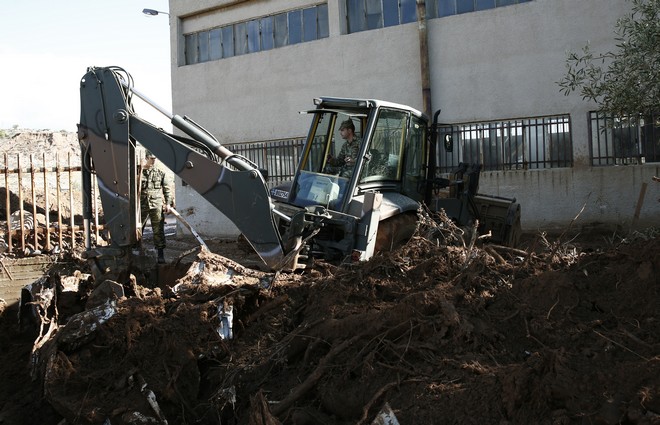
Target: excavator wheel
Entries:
(395, 231)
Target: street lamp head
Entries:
(152, 12)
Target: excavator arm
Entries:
(108, 132)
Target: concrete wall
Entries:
(490, 65)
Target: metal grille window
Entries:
(363, 15)
(624, 141)
(521, 144)
(268, 32)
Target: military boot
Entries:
(161, 256)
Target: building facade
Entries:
(244, 70)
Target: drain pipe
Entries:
(424, 57)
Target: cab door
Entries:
(415, 159)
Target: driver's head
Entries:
(347, 129)
(347, 124)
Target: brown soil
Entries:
(557, 333)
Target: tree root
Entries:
(309, 382)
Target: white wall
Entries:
(490, 65)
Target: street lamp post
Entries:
(152, 12)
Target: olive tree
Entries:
(625, 81)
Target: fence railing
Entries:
(517, 144)
(279, 157)
(42, 200)
(628, 140)
(42, 195)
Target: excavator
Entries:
(334, 213)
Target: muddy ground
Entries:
(562, 331)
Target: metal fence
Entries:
(42, 208)
(42, 195)
(519, 144)
(624, 140)
(279, 157)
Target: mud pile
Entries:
(42, 145)
(557, 333)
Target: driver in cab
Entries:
(344, 162)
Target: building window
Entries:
(203, 47)
(624, 141)
(240, 39)
(191, 48)
(215, 44)
(310, 24)
(227, 42)
(521, 144)
(253, 36)
(295, 26)
(363, 15)
(281, 30)
(266, 33)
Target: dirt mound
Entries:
(41, 145)
(555, 334)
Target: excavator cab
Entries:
(359, 198)
(391, 156)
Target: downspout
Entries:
(424, 58)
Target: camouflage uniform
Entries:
(154, 189)
(350, 150)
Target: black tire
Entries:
(395, 231)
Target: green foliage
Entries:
(625, 81)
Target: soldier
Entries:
(345, 161)
(155, 201)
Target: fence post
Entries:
(58, 176)
(8, 205)
(34, 203)
(71, 214)
(46, 206)
(21, 218)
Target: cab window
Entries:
(386, 147)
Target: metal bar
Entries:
(144, 97)
(58, 175)
(73, 233)
(21, 219)
(96, 208)
(8, 206)
(46, 204)
(34, 202)
(640, 201)
(189, 227)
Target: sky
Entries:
(46, 47)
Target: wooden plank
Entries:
(18, 272)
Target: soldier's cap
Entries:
(347, 124)
(149, 154)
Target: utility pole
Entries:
(424, 57)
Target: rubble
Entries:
(558, 331)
